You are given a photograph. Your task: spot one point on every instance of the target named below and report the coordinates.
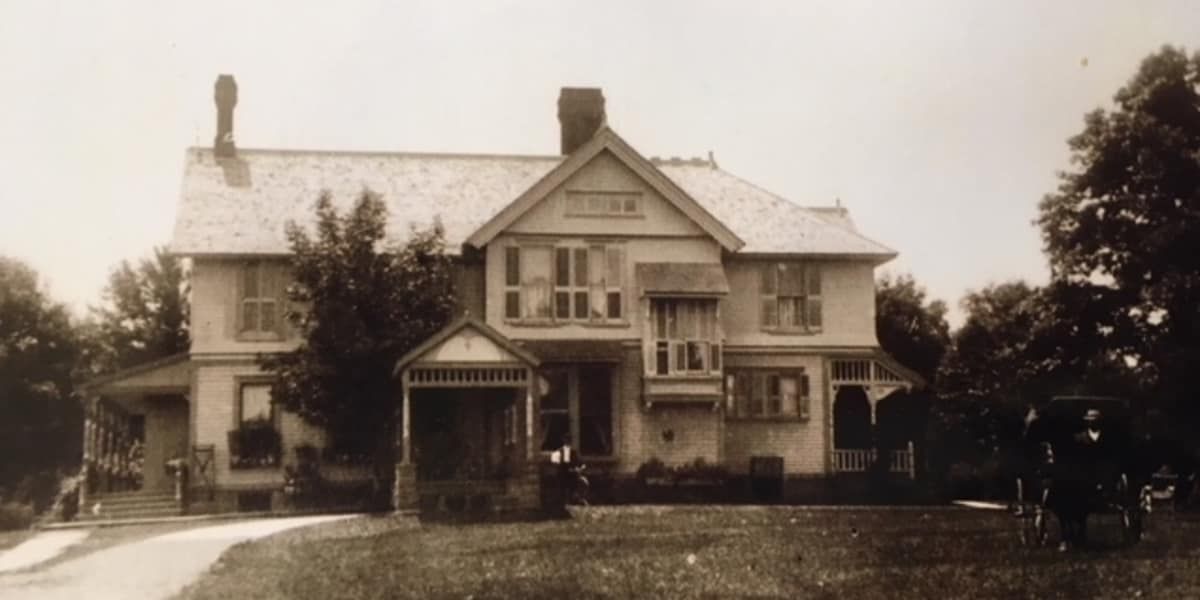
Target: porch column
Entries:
(405, 421)
(529, 414)
(404, 485)
(87, 452)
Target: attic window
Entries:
(591, 203)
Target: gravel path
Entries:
(154, 568)
(39, 548)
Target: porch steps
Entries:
(127, 505)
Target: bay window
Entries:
(791, 297)
(769, 394)
(686, 338)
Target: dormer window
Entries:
(592, 203)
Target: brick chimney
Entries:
(225, 95)
(581, 114)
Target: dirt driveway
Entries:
(152, 568)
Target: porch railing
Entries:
(861, 460)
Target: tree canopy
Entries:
(911, 328)
(39, 417)
(1125, 222)
(144, 315)
(359, 306)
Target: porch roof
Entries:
(171, 374)
(454, 340)
(682, 279)
(574, 350)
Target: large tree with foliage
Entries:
(39, 416)
(910, 327)
(364, 305)
(1125, 222)
(144, 315)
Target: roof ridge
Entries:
(389, 153)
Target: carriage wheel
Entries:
(1131, 524)
(1033, 527)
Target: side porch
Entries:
(136, 441)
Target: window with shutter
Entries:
(261, 289)
(770, 394)
(686, 336)
(565, 283)
(790, 297)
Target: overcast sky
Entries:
(940, 125)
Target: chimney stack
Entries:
(581, 114)
(225, 95)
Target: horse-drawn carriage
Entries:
(1082, 458)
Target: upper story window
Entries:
(582, 203)
(769, 394)
(686, 337)
(791, 297)
(259, 305)
(565, 283)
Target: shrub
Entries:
(653, 468)
(15, 516)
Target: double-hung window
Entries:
(686, 337)
(791, 297)
(259, 311)
(761, 393)
(565, 283)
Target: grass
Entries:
(699, 552)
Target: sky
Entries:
(939, 125)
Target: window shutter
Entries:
(512, 266)
(814, 313)
(813, 272)
(282, 276)
(804, 401)
(769, 313)
(767, 279)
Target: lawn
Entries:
(696, 552)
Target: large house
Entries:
(648, 309)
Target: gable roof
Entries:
(240, 206)
(453, 329)
(606, 140)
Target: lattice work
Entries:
(468, 377)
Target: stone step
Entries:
(135, 494)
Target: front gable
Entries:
(606, 161)
(605, 197)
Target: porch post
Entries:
(404, 485)
(529, 414)
(405, 421)
(87, 452)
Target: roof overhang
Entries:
(607, 140)
(172, 374)
(681, 279)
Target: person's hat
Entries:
(1092, 414)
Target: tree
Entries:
(914, 331)
(144, 315)
(365, 307)
(1126, 221)
(39, 416)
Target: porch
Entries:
(466, 423)
(871, 424)
(136, 425)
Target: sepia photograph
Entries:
(562, 299)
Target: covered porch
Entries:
(136, 422)
(466, 423)
(869, 400)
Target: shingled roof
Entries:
(240, 206)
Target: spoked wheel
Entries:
(1033, 526)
